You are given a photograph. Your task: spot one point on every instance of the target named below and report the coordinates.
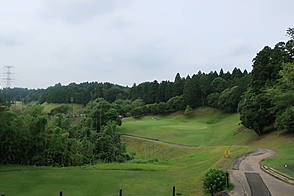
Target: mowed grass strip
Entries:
(183, 170)
(210, 127)
(83, 182)
(206, 127)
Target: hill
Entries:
(157, 166)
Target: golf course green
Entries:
(157, 167)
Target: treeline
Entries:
(200, 89)
(72, 93)
(31, 137)
(268, 104)
(223, 91)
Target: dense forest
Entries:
(30, 136)
(264, 98)
(268, 103)
(200, 89)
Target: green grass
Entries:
(82, 181)
(209, 129)
(283, 144)
(78, 108)
(184, 171)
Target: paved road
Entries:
(250, 180)
(256, 184)
(159, 141)
(246, 175)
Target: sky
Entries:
(132, 41)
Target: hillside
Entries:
(157, 167)
(211, 127)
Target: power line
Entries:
(7, 75)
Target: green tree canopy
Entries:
(219, 84)
(100, 112)
(188, 111)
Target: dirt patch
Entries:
(239, 130)
(287, 135)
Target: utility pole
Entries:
(72, 101)
(7, 75)
(7, 82)
(100, 115)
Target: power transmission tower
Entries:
(7, 75)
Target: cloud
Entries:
(131, 41)
(79, 11)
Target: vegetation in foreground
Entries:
(178, 167)
(210, 127)
(182, 167)
(34, 137)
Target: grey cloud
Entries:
(9, 41)
(130, 41)
(79, 11)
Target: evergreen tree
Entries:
(192, 93)
(178, 85)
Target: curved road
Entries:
(246, 175)
(250, 180)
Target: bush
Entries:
(188, 111)
(214, 181)
(151, 160)
(63, 109)
(285, 120)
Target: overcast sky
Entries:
(131, 41)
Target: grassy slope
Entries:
(78, 108)
(187, 166)
(207, 127)
(284, 146)
(210, 127)
(49, 106)
(182, 167)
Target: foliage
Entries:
(63, 109)
(30, 137)
(214, 181)
(192, 93)
(195, 92)
(285, 120)
(175, 104)
(178, 86)
(255, 111)
(271, 89)
(213, 99)
(100, 112)
(290, 33)
(188, 110)
(229, 99)
(219, 84)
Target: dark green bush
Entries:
(214, 181)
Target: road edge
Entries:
(277, 174)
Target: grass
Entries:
(78, 108)
(79, 181)
(183, 171)
(209, 129)
(283, 144)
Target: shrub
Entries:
(188, 111)
(214, 181)
(285, 120)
